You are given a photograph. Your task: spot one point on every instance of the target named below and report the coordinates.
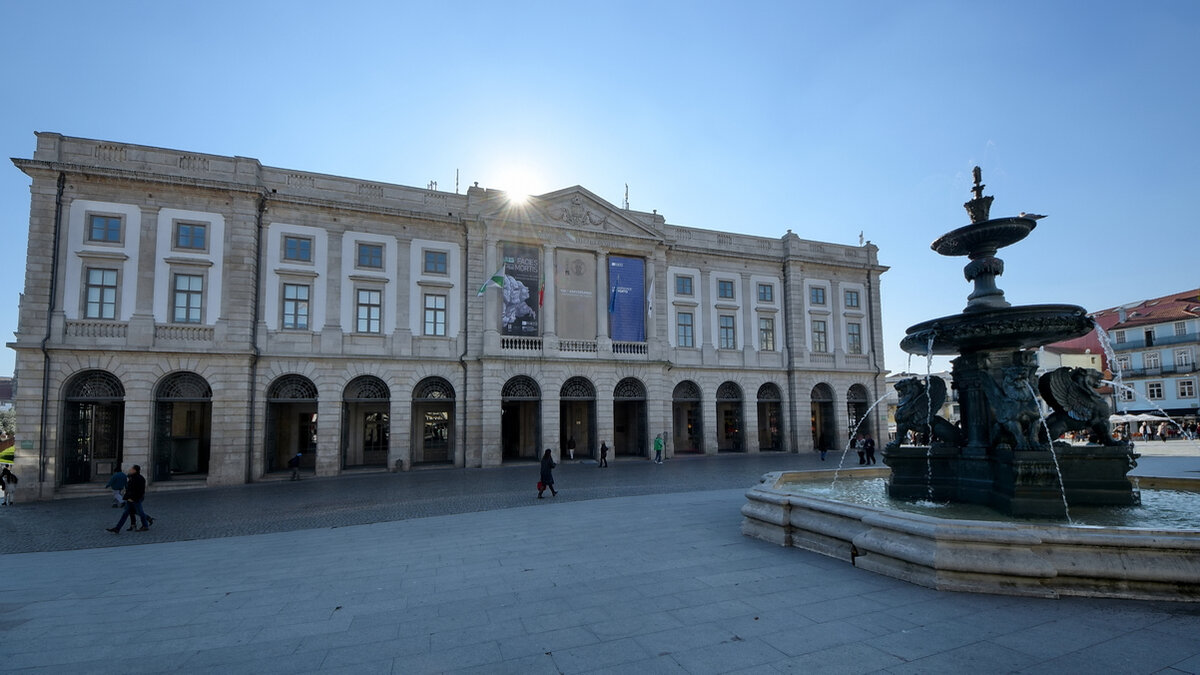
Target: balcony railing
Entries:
(183, 333)
(577, 346)
(1140, 343)
(1159, 371)
(638, 348)
(97, 329)
(520, 344)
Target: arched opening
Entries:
(521, 423)
(770, 417)
(433, 422)
(857, 404)
(93, 426)
(824, 426)
(729, 418)
(577, 418)
(366, 424)
(291, 423)
(182, 426)
(630, 429)
(686, 418)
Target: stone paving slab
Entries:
(657, 582)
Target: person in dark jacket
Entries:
(547, 482)
(117, 483)
(603, 455)
(135, 492)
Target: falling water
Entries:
(1062, 488)
(854, 432)
(929, 420)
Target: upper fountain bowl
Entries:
(985, 237)
(1022, 327)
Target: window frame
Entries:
(854, 341)
(369, 247)
(427, 254)
(847, 294)
(178, 228)
(188, 295)
(297, 303)
(726, 289)
(88, 287)
(817, 296)
(766, 333)
(298, 239)
(374, 321)
(90, 221)
(1155, 391)
(726, 331)
(435, 312)
(689, 326)
(820, 336)
(769, 295)
(682, 280)
(1149, 357)
(1183, 358)
(1180, 328)
(1185, 388)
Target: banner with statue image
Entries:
(521, 290)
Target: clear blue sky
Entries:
(826, 118)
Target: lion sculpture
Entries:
(1014, 407)
(1071, 392)
(918, 408)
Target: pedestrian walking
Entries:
(7, 480)
(294, 465)
(1162, 431)
(658, 448)
(868, 445)
(603, 455)
(571, 446)
(858, 447)
(135, 493)
(117, 483)
(547, 481)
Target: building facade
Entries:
(210, 318)
(1155, 344)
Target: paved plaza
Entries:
(638, 568)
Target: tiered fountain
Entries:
(1002, 454)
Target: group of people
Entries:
(128, 492)
(546, 481)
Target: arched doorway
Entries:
(577, 417)
(93, 426)
(824, 426)
(291, 423)
(433, 421)
(687, 422)
(182, 426)
(729, 418)
(770, 417)
(521, 424)
(857, 404)
(366, 430)
(629, 419)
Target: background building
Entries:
(209, 317)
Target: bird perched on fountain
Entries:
(1031, 216)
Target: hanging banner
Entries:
(522, 284)
(626, 299)
(575, 291)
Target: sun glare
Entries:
(520, 183)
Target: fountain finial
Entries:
(979, 207)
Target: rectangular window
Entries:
(295, 306)
(820, 339)
(1180, 328)
(435, 262)
(766, 293)
(854, 338)
(683, 285)
(192, 236)
(1123, 362)
(1119, 336)
(852, 300)
(726, 332)
(1150, 361)
(297, 249)
(1127, 394)
(104, 228)
(370, 311)
(816, 295)
(725, 289)
(1187, 388)
(1149, 333)
(1183, 359)
(189, 298)
(683, 328)
(101, 294)
(435, 315)
(766, 334)
(370, 255)
(1154, 391)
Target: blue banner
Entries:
(627, 299)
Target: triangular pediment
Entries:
(576, 209)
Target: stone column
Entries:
(549, 294)
(603, 290)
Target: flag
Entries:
(496, 280)
(542, 289)
(650, 299)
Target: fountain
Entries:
(1003, 454)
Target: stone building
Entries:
(210, 318)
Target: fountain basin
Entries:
(1008, 328)
(1028, 559)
